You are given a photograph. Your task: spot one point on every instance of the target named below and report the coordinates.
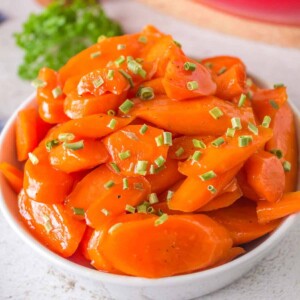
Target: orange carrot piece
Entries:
(247, 190)
(26, 132)
(190, 117)
(230, 255)
(155, 84)
(52, 225)
(160, 248)
(138, 147)
(265, 176)
(52, 112)
(13, 175)
(67, 160)
(83, 246)
(288, 204)
(241, 221)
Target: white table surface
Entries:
(24, 275)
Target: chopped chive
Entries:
(142, 208)
(142, 73)
(249, 95)
(51, 144)
(141, 167)
(167, 138)
(222, 70)
(114, 227)
(74, 146)
(153, 198)
(33, 158)
(143, 129)
(105, 212)
(287, 166)
(208, 175)
(112, 124)
(216, 113)
(38, 83)
(244, 140)
(126, 76)
(277, 152)
(242, 100)
(136, 68)
(146, 93)
(56, 92)
(253, 128)
(230, 132)
(115, 167)
(274, 104)
(170, 195)
(177, 44)
(196, 155)
(138, 186)
(249, 82)
(150, 210)
(208, 65)
(101, 38)
(179, 151)
(159, 140)
(218, 142)
(78, 211)
(126, 106)
(95, 54)
(152, 169)
(110, 74)
(130, 209)
(160, 161)
(278, 85)
(66, 137)
(143, 39)
(109, 184)
(120, 60)
(199, 144)
(236, 123)
(212, 189)
(192, 85)
(125, 184)
(189, 66)
(266, 121)
(162, 219)
(111, 112)
(160, 212)
(121, 46)
(124, 155)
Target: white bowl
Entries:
(126, 287)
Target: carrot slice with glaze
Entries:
(13, 175)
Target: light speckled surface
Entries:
(24, 275)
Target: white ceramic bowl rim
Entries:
(124, 279)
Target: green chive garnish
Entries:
(109, 184)
(78, 211)
(222, 70)
(130, 209)
(124, 155)
(287, 166)
(56, 92)
(218, 142)
(51, 144)
(162, 219)
(189, 66)
(167, 138)
(105, 211)
(249, 95)
(242, 100)
(33, 158)
(253, 128)
(266, 122)
(112, 124)
(95, 54)
(125, 184)
(216, 113)
(192, 85)
(143, 129)
(274, 104)
(160, 161)
(196, 155)
(170, 195)
(277, 152)
(177, 44)
(230, 132)
(101, 38)
(120, 60)
(74, 146)
(159, 140)
(141, 167)
(236, 123)
(111, 112)
(150, 210)
(142, 208)
(198, 144)
(110, 74)
(249, 82)
(146, 93)
(179, 151)
(115, 167)
(244, 140)
(66, 137)
(38, 83)
(212, 189)
(126, 106)
(121, 46)
(278, 85)
(143, 39)
(153, 198)
(127, 77)
(208, 175)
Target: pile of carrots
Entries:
(151, 163)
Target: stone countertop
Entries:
(25, 275)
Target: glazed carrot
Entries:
(229, 154)
(230, 255)
(83, 246)
(114, 200)
(52, 225)
(265, 176)
(285, 139)
(181, 84)
(267, 102)
(92, 154)
(160, 248)
(247, 190)
(241, 221)
(53, 112)
(26, 132)
(42, 182)
(155, 84)
(129, 145)
(76, 106)
(42, 128)
(195, 193)
(191, 117)
(13, 175)
(232, 83)
(288, 204)
(166, 178)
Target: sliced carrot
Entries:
(165, 178)
(194, 193)
(53, 112)
(160, 248)
(42, 128)
(26, 132)
(229, 154)
(247, 190)
(288, 204)
(67, 160)
(13, 175)
(265, 176)
(230, 255)
(155, 84)
(191, 117)
(137, 147)
(241, 221)
(83, 246)
(52, 225)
